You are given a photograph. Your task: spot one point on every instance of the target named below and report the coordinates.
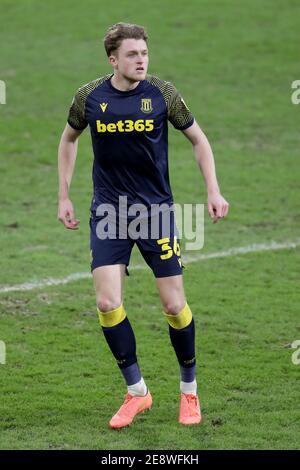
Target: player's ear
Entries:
(112, 59)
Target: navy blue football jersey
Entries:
(129, 131)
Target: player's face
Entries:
(131, 59)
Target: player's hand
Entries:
(66, 214)
(217, 206)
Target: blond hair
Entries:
(119, 31)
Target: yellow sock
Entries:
(113, 317)
(182, 319)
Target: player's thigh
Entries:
(108, 284)
(161, 247)
(171, 292)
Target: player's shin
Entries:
(182, 335)
(121, 341)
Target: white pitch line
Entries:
(254, 248)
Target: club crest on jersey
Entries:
(103, 106)
(146, 105)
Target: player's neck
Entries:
(122, 84)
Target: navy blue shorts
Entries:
(158, 242)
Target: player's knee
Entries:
(106, 304)
(173, 307)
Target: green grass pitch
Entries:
(234, 63)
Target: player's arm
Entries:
(67, 152)
(217, 206)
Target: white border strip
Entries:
(255, 248)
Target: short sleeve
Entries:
(76, 117)
(178, 112)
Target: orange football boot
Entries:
(189, 409)
(131, 407)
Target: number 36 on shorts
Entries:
(168, 249)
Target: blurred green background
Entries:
(234, 63)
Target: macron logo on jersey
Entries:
(127, 125)
(103, 106)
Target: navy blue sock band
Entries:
(187, 374)
(132, 374)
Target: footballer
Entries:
(127, 112)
